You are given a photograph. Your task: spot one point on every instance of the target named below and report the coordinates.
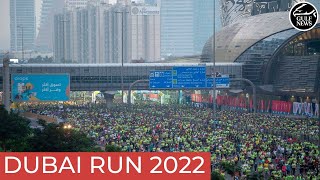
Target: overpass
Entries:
(107, 77)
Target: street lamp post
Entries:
(214, 62)
(22, 43)
(102, 4)
(63, 46)
(318, 114)
(122, 51)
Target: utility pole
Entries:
(122, 55)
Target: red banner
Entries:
(101, 166)
(281, 106)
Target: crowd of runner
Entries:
(274, 146)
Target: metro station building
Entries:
(276, 57)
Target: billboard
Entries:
(40, 87)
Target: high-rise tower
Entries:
(22, 25)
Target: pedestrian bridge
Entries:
(107, 77)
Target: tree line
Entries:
(17, 136)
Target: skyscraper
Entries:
(44, 41)
(177, 28)
(186, 25)
(204, 13)
(145, 32)
(22, 25)
(94, 35)
(80, 35)
(71, 36)
(117, 37)
(60, 37)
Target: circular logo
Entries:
(303, 16)
(135, 10)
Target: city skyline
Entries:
(5, 36)
(94, 35)
(5, 20)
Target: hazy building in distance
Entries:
(79, 34)
(100, 33)
(44, 40)
(73, 36)
(204, 13)
(117, 21)
(177, 28)
(186, 26)
(144, 30)
(22, 24)
(60, 48)
(135, 34)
